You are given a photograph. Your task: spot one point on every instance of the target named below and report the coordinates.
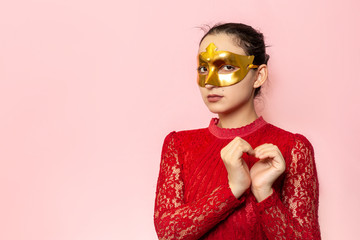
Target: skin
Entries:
(236, 109)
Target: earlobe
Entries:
(262, 74)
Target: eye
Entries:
(227, 69)
(202, 70)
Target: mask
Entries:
(211, 61)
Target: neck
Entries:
(237, 119)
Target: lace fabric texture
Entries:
(295, 214)
(186, 207)
(173, 218)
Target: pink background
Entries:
(90, 88)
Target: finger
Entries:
(236, 150)
(274, 158)
(265, 147)
(229, 146)
(268, 153)
(246, 147)
(234, 142)
(238, 147)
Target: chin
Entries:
(222, 109)
(216, 109)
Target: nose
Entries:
(209, 86)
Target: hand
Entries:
(238, 170)
(264, 172)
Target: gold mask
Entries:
(214, 60)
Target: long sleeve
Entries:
(294, 214)
(175, 219)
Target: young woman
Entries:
(241, 177)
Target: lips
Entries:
(214, 97)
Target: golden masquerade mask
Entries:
(212, 61)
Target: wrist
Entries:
(237, 191)
(262, 194)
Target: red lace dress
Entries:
(194, 201)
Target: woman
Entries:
(241, 177)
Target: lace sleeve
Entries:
(175, 219)
(295, 215)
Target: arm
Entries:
(295, 215)
(173, 218)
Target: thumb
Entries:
(247, 147)
(249, 150)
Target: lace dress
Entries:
(194, 201)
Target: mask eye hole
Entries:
(202, 70)
(225, 69)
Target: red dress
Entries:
(194, 201)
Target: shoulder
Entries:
(302, 148)
(300, 139)
(181, 143)
(290, 137)
(296, 149)
(186, 134)
(277, 132)
(286, 141)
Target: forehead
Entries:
(223, 42)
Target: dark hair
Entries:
(249, 39)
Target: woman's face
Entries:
(225, 100)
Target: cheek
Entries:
(247, 84)
(239, 91)
(202, 92)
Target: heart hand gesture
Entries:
(238, 170)
(261, 176)
(264, 172)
